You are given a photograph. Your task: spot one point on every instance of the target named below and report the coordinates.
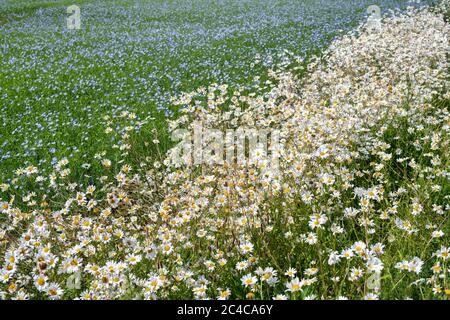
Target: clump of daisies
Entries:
(356, 208)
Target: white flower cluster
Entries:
(360, 189)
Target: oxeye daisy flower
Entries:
(280, 297)
(374, 265)
(307, 197)
(294, 285)
(242, 265)
(443, 253)
(21, 295)
(5, 276)
(71, 264)
(90, 189)
(371, 296)
(291, 272)
(223, 294)
(200, 292)
(167, 248)
(40, 281)
(317, 220)
(246, 247)
(31, 170)
(54, 291)
(437, 234)
(4, 207)
(133, 259)
(311, 238)
(106, 163)
(222, 262)
(415, 265)
(355, 274)
(210, 265)
(248, 280)
(311, 271)
(359, 247)
(436, 268)
(377, 249)
(268, 274)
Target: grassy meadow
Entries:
(58, 85)
(94, 203)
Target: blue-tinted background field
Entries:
(56, 85)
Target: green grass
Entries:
(134, 55)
